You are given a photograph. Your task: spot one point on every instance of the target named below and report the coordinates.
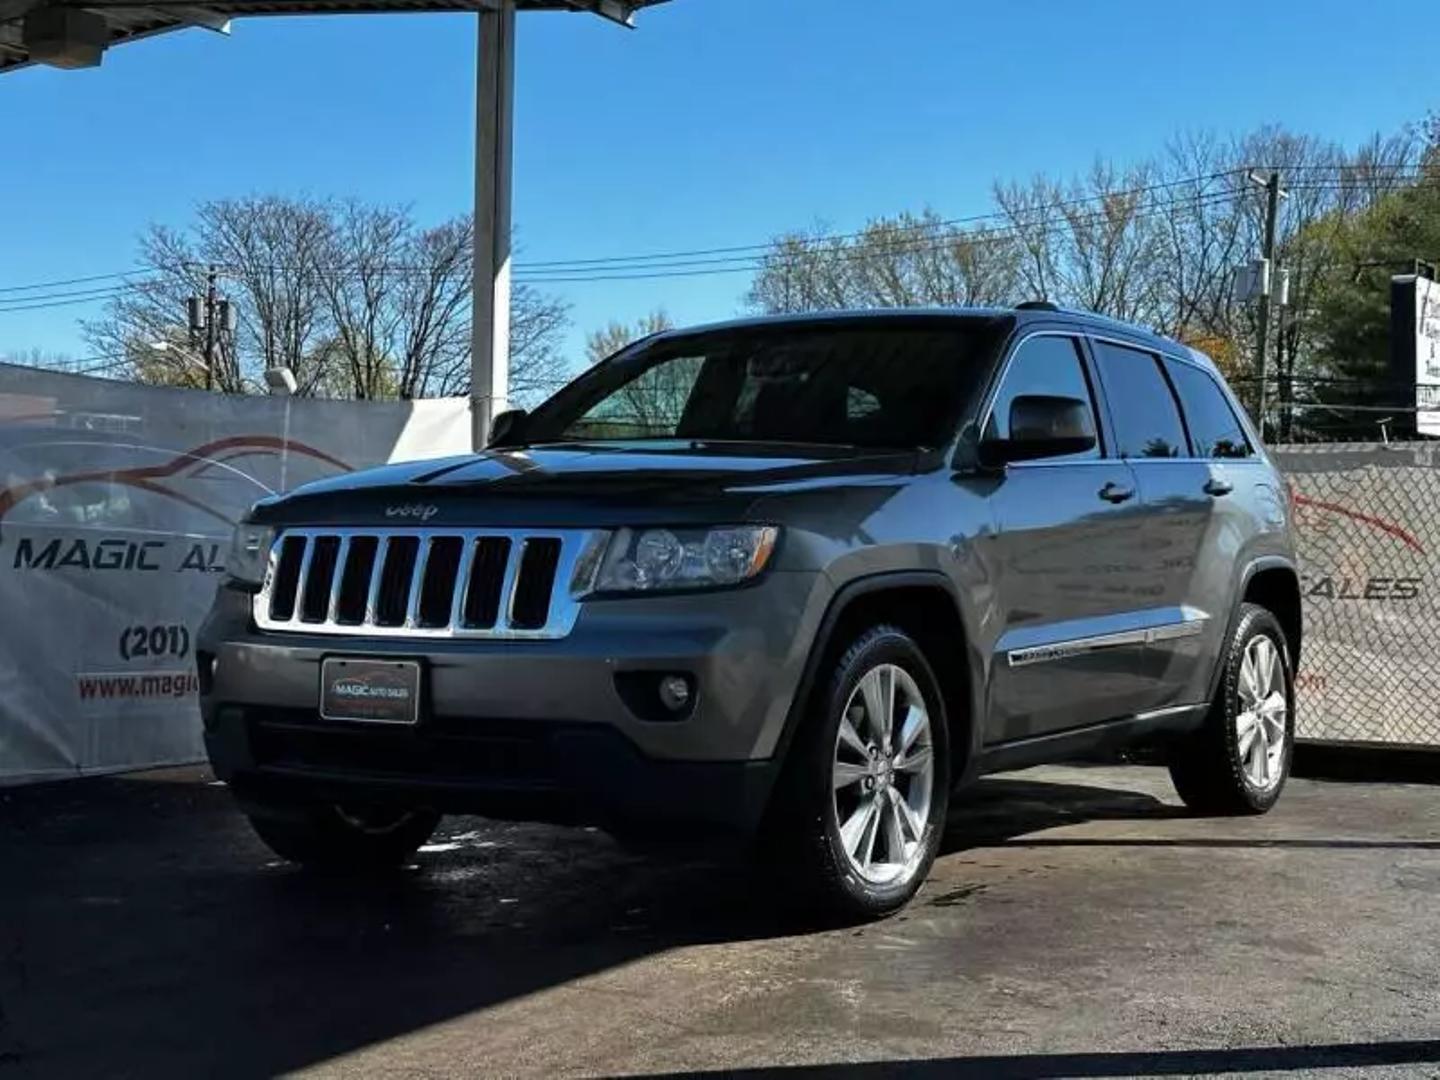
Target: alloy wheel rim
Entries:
(883, 776)
(1262, 713)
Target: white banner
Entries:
(116, 506)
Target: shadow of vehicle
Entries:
(1367, 763)
(1002, 807)
(144, 929)
(1243, 1059)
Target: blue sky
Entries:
(717, 122)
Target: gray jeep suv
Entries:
(796, 577)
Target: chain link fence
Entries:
(1368, 530)
(1367, 516)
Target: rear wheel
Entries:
(345, 838)
(1238, 762)
(866, 790)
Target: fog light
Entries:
(675, 692)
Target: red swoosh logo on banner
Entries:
(143, 477)
(1368, 519)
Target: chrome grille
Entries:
(476, 583)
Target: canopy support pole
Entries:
(494, 129)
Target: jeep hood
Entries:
(582, 484)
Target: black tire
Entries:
(803, 828)
(341, 839)
(1209, 771)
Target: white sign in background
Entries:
(116, 507)
(1427, 356)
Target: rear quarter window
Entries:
(1214, 428)
(1147, 420)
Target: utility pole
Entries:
(1262, 334)
(210, 328)
(212, 320)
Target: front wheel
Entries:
(1238, 762)
(345, 838)
(866, 790)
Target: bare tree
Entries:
(802, 271)
(268, 250)
(537, 366)
(1091, 243)
(1199, 240)
(360, 279)
(1156, 243)
(904, 261)
(432, 328)
(613, 337)
(357, 300)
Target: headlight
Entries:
(653, 560)
(249, 553)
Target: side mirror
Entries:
(506, 427)
(1041, 426)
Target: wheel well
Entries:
(1278, 591)
(928, 614)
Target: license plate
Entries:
(370, 691)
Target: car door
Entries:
(1233, 484)
(1064, 563)
(1173, 518)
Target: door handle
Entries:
(1217, 487)
(1116, 493)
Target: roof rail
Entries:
(1037, 305)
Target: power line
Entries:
(919, 226)
(69, 281)
(72, 293)
(740, 258)
(1353, 166)
(903, 244)
(666, 256)
(900, 246)
(93, 296)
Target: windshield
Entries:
(864, 385)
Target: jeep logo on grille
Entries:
(423, 511)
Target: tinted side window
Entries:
(1048, 366)
(1147, 423)
(1213, 425)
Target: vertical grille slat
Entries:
(530, 605)
(287, 577)
(353, 592)
(481, 609)
(393, 602)
(316, 577)
(437, 586)
(422, 582)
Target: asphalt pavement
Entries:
(1078, 924)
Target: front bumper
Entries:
(533, 729)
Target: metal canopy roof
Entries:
(103, 23)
